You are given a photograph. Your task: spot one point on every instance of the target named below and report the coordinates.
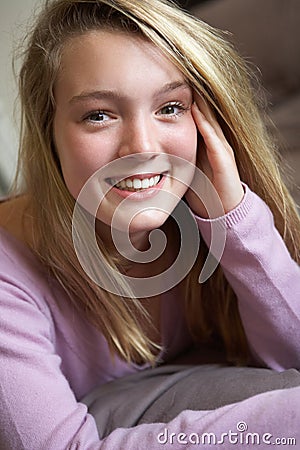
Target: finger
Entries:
(209, 115)
(210, 131)
(219, 153)
(205, 127)
(203, 161)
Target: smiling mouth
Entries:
(136, 183)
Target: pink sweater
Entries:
(50, 357)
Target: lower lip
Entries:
(142, 194)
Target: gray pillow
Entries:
(160, 394)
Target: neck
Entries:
(140, 256)
(122, 241)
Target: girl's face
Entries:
(118, 96)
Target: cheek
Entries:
(75, 164)
(80, 156)
(185, 147)
(185, 140)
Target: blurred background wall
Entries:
(266, 32)
(13, 13)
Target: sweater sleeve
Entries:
(39, 410)
(265, 279)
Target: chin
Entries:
(147, 221)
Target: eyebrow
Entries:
(113, 94)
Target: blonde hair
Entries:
(213, 69)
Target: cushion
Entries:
(160, 394)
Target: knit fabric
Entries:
(50, 356)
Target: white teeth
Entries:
(145, 183)
(138, 184)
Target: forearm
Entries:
(265, 279)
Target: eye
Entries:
(97, 116)
(172, 109)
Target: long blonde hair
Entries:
(213, 69)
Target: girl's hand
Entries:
(216, 159)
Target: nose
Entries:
(139, 137)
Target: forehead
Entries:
(111, 43)
(112, 57)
